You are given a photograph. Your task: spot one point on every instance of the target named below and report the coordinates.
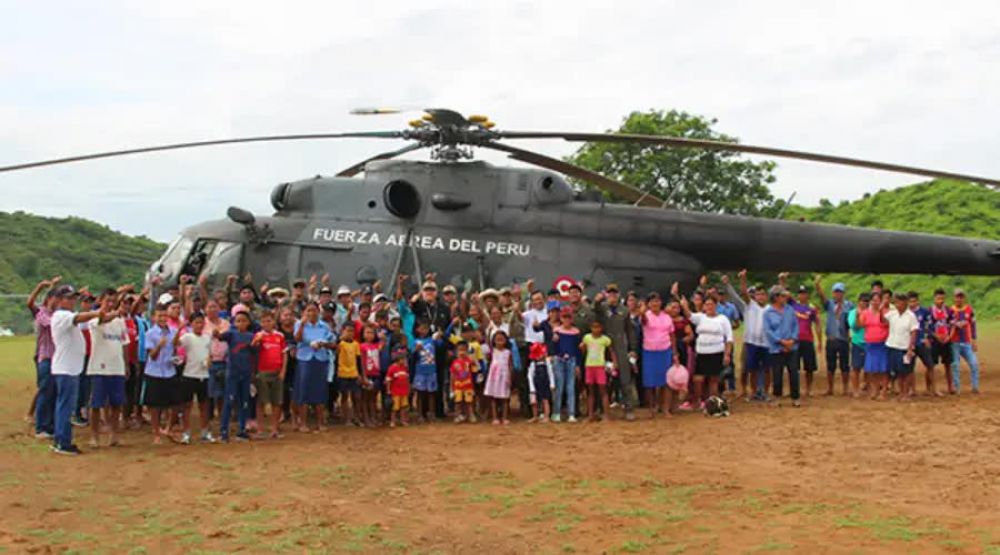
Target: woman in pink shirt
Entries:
(876, 353)
(657, 355)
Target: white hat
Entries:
(343, 290)
(165, 298)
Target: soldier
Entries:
(612, 314)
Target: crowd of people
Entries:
(303, 359)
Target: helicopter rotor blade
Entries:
(606, 184)
(177, 146)
(682, 142)
(360, 166)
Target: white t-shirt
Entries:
(900, 326)
(71, 348)
(106, 341)
(530, 317)
(713, 333)
(198, 349)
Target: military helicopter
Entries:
(477, 225)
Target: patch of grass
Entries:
(618, 485)
(563, 527)
(633, 546)
(806, 508)
(899, 528)
(772, 545)
(568, 548)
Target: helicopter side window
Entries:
(199, 256)
(169, 266)
(224, 260)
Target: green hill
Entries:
(83, 252)
(941, 206)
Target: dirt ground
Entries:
(836, 476)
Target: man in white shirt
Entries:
(67, 363)
(902, 341)
(106, 368)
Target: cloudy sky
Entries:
(908, 82)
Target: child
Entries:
(857, 343)
(239, 372)
(876, 354)
(963, 342)
(902, 342)
(596, 347)
(540, 381)
(271, 368)
(566, 365)
(348, 378)
(159, 393)
(940, 338)
(425, 374)
(198, 346)
(397, 385)
(371, 348)
(462, 369)
(106, 368)
(500, 375)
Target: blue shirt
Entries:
(241, 353)
(926, 322)
(320, 331)
(779, 326)
(730, 311)
(836, 327)
(163, 365)
(141, 327)
(426, 358)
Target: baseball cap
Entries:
(449, 289)
(552, 305)
(163, 299)
(612, 287)
(959, 292)
(331, 306)
(505, 290)
(553, 291)
(366, 290)
(839, 287)
(429, 286)
(777, 290)
(343, 290)
(299, 283)
(239, 307)
(380, 297)
(326, 291)
(65, 291)
(803, 289)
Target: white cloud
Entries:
(908, 82)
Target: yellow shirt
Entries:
(347, 359)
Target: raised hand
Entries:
(742, 274)
(725, 279)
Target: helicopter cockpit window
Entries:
(169, 266)
(225, 260)
(199, 257)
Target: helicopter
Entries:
(477, 225)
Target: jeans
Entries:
(964, 350)
(237, 393)
(778, 362)
(45, 406)
(564, 372)
(67, 389)
(83, 393)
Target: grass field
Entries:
(837, 476)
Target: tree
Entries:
(693, 179)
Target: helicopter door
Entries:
(270, 263)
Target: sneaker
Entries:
(186, 438)
(542, 419)
(556, 418)
(78, 422)
(686, 405)
(92, 443)
(71, 450)
(207, 437)
(43, 435)
(571, 419)
(615, 405)
(796, 403)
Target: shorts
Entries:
(923, 353)
(807, 356)
(897, 362)
(193, 387)
(756, 358)
(464, 396)
(857, 357)
(106, 391)
(596, 375)
(217, 379)
(377, 383)
(348, 385)
(709, 365)
(400, 402)
(940, 353)
(876, 358)
(270, 389)
(425, 380)
(161, 393)
(838, 354)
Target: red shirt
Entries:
(271, 351)
(133, 341)
(461, 373)
(399, 380)
(370, 354)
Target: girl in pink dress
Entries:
(499, 377)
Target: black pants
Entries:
(838, 352)
(778, 363)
